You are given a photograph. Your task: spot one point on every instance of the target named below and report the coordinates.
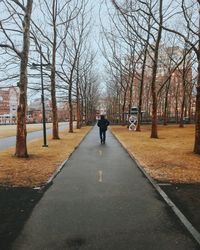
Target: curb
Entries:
(191, 229)
(61, 166)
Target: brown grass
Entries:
(169, 158)
(10, 130)
(42, 162)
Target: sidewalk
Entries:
(102, 201)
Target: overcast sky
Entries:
(99, 14)
(99, 11)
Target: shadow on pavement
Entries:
(16, 205)
(187, 198)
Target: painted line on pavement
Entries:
(100, 176)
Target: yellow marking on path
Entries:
(100, 176)
(100, 152)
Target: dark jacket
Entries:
(103, 124)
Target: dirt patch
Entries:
(42, 163)
(167, 159)
(15, 208)
(187, 199)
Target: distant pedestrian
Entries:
(103, 124)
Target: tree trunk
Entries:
(181, 125)
(176, 104)
(138, 128)
(70, 109)
(82, 111)
(154, 132)
(190, 105)
(119, 109)
(85, 110)
(123, 109)
(55, 129)
(141, 89)
(55, 132)
(197, 127)
(184, 85)
(78, 110)
(165, 117)
(21, 146)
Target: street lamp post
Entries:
(43, 104)
(41, 65)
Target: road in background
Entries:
(11, 141)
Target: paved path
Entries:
(11, 140)
(102, 201)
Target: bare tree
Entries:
(57, 16)
(10, 44)
(146, 10)
(71, 51)
(189, 15)
(120, 51)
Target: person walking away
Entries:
(103, 124)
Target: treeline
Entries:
(54, 37)
(153, 61)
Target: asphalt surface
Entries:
(16, 205)
(102, 201)
(11, 141)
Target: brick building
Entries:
(8, 105)
(169, 83)
(63, 112)
(174, 87)
(35, 111)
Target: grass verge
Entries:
(42, 162)
(167, 159)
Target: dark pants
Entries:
(102, 133)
